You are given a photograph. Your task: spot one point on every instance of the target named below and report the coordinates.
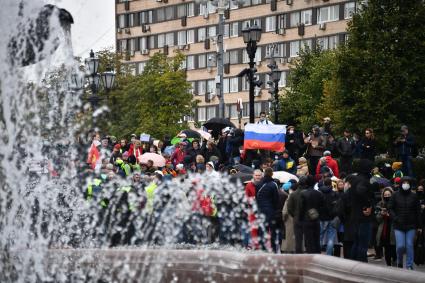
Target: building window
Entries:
(211, 8)
(226, 31)
(212, 31)
(328, 14)
(294, 48)
(306, 16)
(211, 112)
(294, 19)
(160, 15)
(161, 40)
(201, 34)
(233, 5)
(257, 108)
(245, 111)
(333, 42)
(258, 55)
(131, 20)
(234, 29)
(181, 37)
(192, 87)
(306, 44)
(152, 42)
(233, 111)
(203, 9)
(212, 62)
(322, 42)
(233, 57)
(211, 86)
(202, 61)
(132, 44)
(121, 21)
(123, 45)
(169, 13)
(202, 87)
(245, 84)
(181, 10)
(190, 9)
(255, 2)
(190, 38)
(202, 114)
(282, 81)
(141, 67)
(145, 17)
(226, 85)
(234, 84)
(269, 48)
(170, 39)
(270, 23)
(349, 10)
(245, 57)
(143, 43)
(190, 62)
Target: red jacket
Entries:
(332, 164)
(177, 157)
(250, 190)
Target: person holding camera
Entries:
(405, 144)
(385, 235)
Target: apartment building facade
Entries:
(144, 27)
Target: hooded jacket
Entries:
(332, 164)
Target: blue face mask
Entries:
(286, 186)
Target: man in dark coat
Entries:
(346, 148)
(361, 199)
(294, 143)
(310, 204)
(293, 211)
(267, 197)
(405, 144)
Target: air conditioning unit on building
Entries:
(289, 2)
(119, 30)
(283, 60)
(145, 52)
(146, 28)
(257, 92)
(127, 31)
(187, 46)
(322, 26)
(206, 16)
(158, 0)
(281, 31)
(132, 53)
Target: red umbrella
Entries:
(157, 159)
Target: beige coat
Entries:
(302, 170)
(288, 244)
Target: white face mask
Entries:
(405, 186)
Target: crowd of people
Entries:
(325, 205)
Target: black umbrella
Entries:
(243, 177)
(191, 134)
(243, 168)
(217, 124)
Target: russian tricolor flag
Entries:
(268, 137)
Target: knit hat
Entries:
(125, 154)
(117, 146)
(397, 180)
(211, 164)
(397, 165)
(327, 153)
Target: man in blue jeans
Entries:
(327, 215)
(405, 211)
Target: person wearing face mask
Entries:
(293, 142)
(385, 235)
(405, 212)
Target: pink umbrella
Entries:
(157, 159)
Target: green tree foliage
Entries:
(153, 102)
(382, 67)
(307, 78)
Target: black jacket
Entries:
(267, 197)
(405, 210)
(330, 198)
(310, 198)
(293, 203)
(368, 149)
(346, 147)
(406, 148)
(361, 196)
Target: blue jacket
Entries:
(287, 165)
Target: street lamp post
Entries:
(107, 78)
(274, 78)
(221, 5)
(251, 35)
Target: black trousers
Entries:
(390, 254)
(311, 231)
(346, 163)
(299, 237)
